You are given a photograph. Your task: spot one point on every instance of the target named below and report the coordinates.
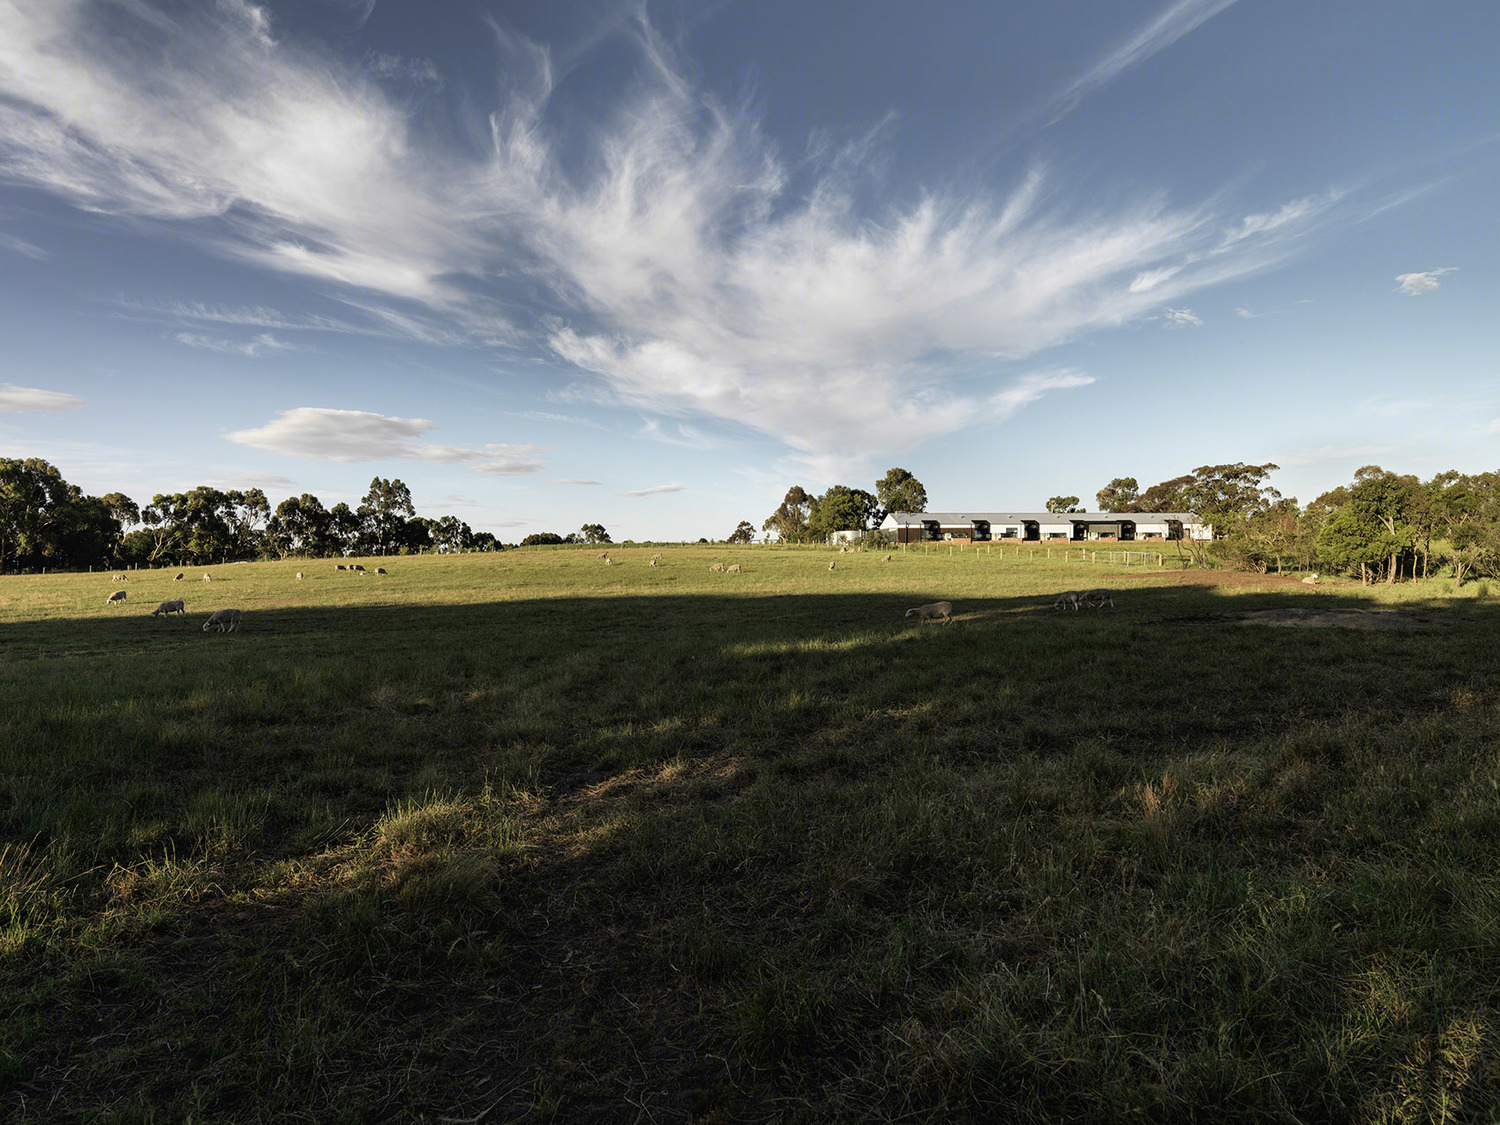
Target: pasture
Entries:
(525, 837)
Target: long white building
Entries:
(1073, 527)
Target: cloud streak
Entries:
(323, 434)
(675, 265)
(17, 400)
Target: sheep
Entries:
(832, 564)
(117, 596)
(716, 566)
(1310, 580)
(608, 561)
(208, 577)
(224, 620)
(341, 566)
(657, 555)
(1097, 599)
(886, 558)
(935, 611)
(170, 608)
(119, 578)
(653, 562)
(734, 569)
(299, 576)
(381, 570)
(179, 577)
(359, 567)
(1067, 597)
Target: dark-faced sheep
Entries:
(170, 608)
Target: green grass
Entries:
(525, 837)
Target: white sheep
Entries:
(170, 608)
(716, 566)
(208, 577)
(832, 564)
(179, 577)
(1066, 598)
(299, 576)
(119, 578)
(734, 569)
(224, 620)
(381, 570)
(1310, 580)
(935, 611)
(887, 558)
(653, 562)
(657, 555)
(1097, 599)
(117, 596)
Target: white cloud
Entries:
(1245, 314)
(1181, 318)
(15, 400)
(261, 344)
(1415, 284)
(657, 490)
(322, 434)
(575, 480)
(1175, 21)
(21, 246)
(678, 266)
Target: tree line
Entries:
(804, 518)
(47, 523)
(1381, 527)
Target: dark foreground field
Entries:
(523, 838)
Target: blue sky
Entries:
(649, 265)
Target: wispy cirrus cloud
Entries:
(673, 263)
(18, 400)
(263, 343)
(1415, 284)
(1181, 318)
(656, 490)
(1174, 21)
(324, 434)
(21, 246)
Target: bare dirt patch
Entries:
(1333, 619)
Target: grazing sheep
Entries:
(935, 611)
(381, 570)
(208, 578)
(170, 608)
(657, 555)
(341, 566)
(1097, 599)
(887, 558)
(119, 578)
(299, 576)
(1310, 580)
(117, 596)
(608, 561)
(653, 562)
(1067, 597)
(359, 567)
(735, 569)
(716, 566)
(224, 620)
(179, 577)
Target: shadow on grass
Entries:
(758, 858)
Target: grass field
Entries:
(525, 837)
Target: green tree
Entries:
(594, 533)
(449, 535)
(246, 513)
(1059, 505)
(1163, 497)
(789, 521)
(344, 529)
(841, 508)
(1119, 495)
(745, 533)
(898, 491)
(383, 514)
(300, 526)
(542, 538)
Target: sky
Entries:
(648, 265)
